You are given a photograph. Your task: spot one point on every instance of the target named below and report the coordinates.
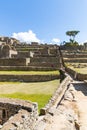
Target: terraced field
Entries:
(29, 72)
(78, 67)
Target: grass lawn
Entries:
(81, 70)
(30, 72)
(78, 67)
(35, 92)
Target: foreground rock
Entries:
(70, 114)
(63, 117)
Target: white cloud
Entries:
(85, 41)
(56, 40)
(26, 36)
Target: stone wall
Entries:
(23, 54)
(81, 76)
(18, 114)
(77, 76)
(45, 64)
(28, 78)
(9, 40)
(71, 72)
(14, 62)
(44, 59)
(38, 49)
(28, 68)
(33, 55)
(76, 60)
(57, 97)
(75, 55)
(35, 61)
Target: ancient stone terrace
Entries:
(16, 56)
(75, 62)
(14, 53)
(38, 50)
(7, 47)
(65, 107)
(74, 56)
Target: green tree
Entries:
(72, 35)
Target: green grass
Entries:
(41, 99)
(35, 92)
(30, 72)
(78, 67)
(81, 70)
(29, 88)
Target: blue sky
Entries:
(43, 20)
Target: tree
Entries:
(71, 44)
(72, 35)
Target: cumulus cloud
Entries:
(29, 36)
(85, 41)
(56, 40)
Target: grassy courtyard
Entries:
(36, 92)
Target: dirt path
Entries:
(81, 95)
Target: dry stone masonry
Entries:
(25, 57)
(34, 54)
(17, 114)
(61, 112)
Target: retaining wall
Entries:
(23, 54)
(45, 64)
(44, 59)
(28, 78)
(15, 62)
(75, 56)
(81, 76)
(28, 68)
(76, 75)
(76, 60)
(57, 97)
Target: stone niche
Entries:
(7, 51)
(15, 111)
(3, 115)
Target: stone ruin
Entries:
(7, 47)
(17, 114)
(85, 46)
(17, 56)
(33, 54)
